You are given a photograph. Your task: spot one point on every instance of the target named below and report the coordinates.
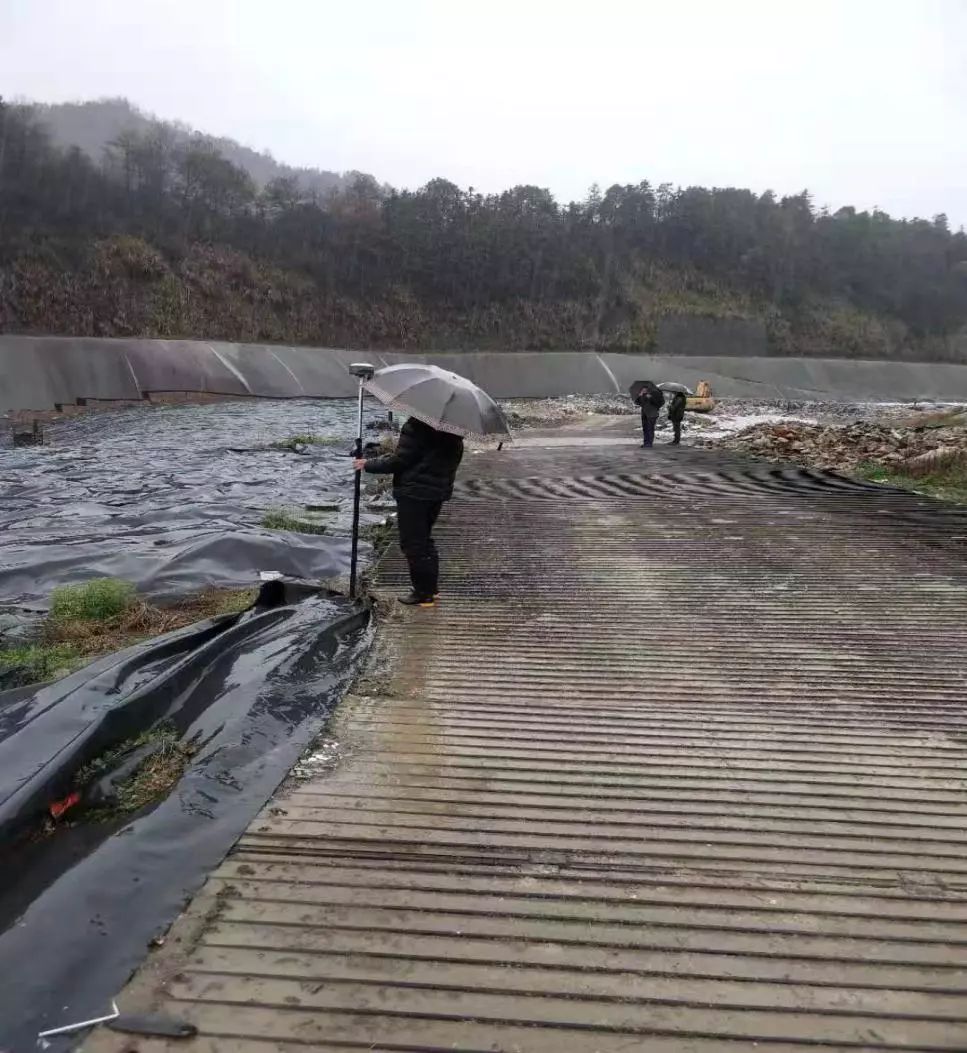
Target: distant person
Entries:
(676, 414)
(423, 465)
(651, 400)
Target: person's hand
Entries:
(359, 464)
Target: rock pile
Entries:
(845, 447)
(548, 413)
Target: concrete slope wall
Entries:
(825, 379)
(38, 373)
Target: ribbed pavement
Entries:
(677, 765)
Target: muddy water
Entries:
(172, 497)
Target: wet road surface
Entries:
(678, 764)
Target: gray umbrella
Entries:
(444, 400)
(673, 388)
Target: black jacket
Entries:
(676, 408)
(424, 463)
(651, 401)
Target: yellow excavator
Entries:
(701, 401)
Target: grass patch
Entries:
(151, 781)
(307, 439)
(872, 472)
(213, 602)
(379, 535)
(948, 483)
(283, 519)
(35, 663)
(65, 643)
(140, 621)
(95, 768)
(156, 777)
(94, 600)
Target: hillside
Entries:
(168, 236)
(93, 126)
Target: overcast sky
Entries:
(860, 102)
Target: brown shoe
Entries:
(414, 599)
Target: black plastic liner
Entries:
(180, 563)
(81, 907)
(172, 499)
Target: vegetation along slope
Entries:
(150, 229)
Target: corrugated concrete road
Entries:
(677, 765)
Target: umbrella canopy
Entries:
(639, 385)
(444, 400)
(676, 388)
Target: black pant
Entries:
(415, 521)
(677, 425)
(648, 428)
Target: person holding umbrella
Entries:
(443, 407)
(424, 466)
(676, 414)
(648, 396)
(676, 408)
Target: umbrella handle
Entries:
(357, 485)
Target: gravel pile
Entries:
(912, 446)
(548, 413)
